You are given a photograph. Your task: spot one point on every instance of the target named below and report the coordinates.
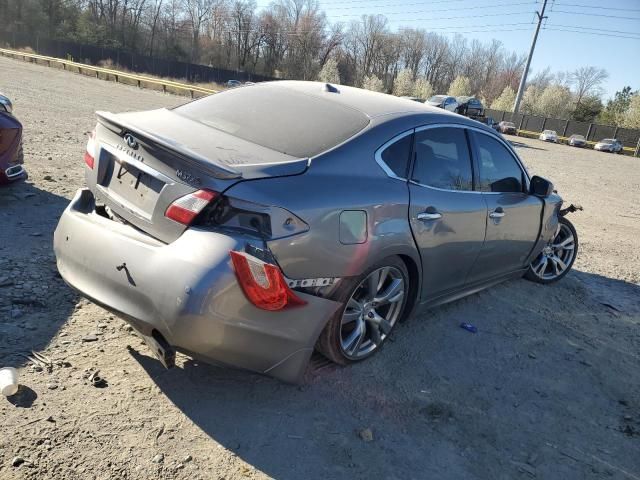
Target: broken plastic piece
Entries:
(570, 209)
(469, 327)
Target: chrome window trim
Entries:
(413, 182)
(382, 164)
(390, 174)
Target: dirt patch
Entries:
(549, 387)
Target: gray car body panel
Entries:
(185, 290)
(179, 280)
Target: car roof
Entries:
(372, 104)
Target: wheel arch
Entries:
(415, 280)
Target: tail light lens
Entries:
(263, 283)
(185, 209)
(90, 152)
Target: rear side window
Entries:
(278, 118)
(499, 171)
(442, 159)
(396, 156)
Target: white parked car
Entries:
(609, 145)
(549, 136)
(445, 102)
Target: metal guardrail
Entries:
(565, 139)
(117, 74)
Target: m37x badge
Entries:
(188, 177)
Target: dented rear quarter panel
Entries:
(330, 177)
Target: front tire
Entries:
(557, 257)
(373, 303)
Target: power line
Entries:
(431, 19)
(340, 2)
(590, 28)
(596, 15)
(391, 5)
(443, 30)
(599, 8)
(590, 33)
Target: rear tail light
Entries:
(263, 283)
(90, 152)
(185, 209)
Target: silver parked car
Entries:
(609, 145)
(252, 226)
(549, 136)
(445, 102)
(577, 140)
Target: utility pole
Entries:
(523, 80)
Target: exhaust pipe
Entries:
(161, 349)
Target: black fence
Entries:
(135, 62)
(565, 128)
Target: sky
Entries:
(576, 33)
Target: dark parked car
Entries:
(507, 127)
(11, 156)
(576, 140)
(443, 101)
(233, 83)
(237, 235)
(470, 107)
(490, 122)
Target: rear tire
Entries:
(558, 256)
(359, 328)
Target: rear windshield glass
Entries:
(278, 118)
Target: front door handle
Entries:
(429, 216)
(497, 213)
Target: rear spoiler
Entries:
(115, 123)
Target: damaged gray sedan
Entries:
(256, 225)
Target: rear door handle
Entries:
(429, 216)
(497, 213)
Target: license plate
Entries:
(132, 186)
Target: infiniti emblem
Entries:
(131, 142)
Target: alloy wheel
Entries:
(371, 312)
(557, 256)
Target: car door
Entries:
(514, 216)
(448, 219)
(450, 104)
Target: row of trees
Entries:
(287, 39)
(574, 95)
(294, 39)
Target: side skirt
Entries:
(469, 290)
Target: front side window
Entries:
(442, 159)
(498, 170)
(396, 156)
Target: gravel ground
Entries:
(549, 387)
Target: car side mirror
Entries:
(540, 187)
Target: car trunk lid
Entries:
(145, 161)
